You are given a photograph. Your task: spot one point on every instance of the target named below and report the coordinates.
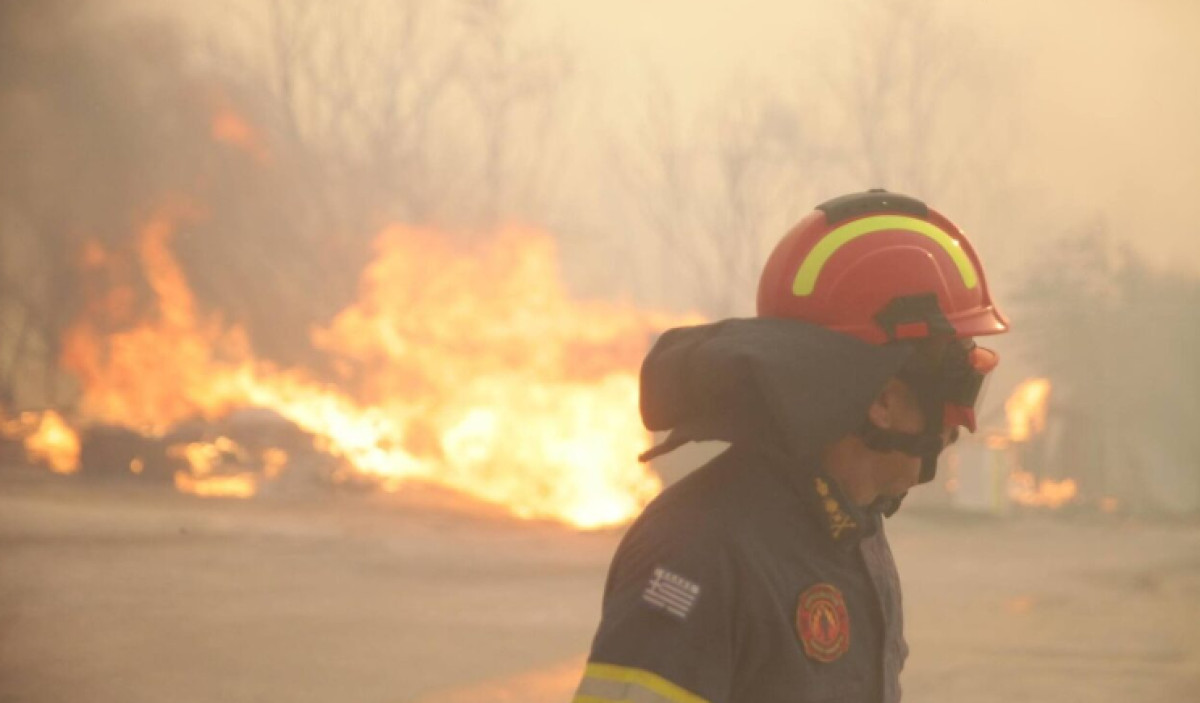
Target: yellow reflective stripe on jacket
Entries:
(608, 683)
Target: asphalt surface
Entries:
(129, 593)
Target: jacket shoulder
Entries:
(707, 511)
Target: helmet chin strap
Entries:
(926, 446)
(923, 445)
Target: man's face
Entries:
(899, 409)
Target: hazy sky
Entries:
(1105, 94)
(1108, 95)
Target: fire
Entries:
(274, 461)
(151, 376)
(1026, 409)
(52, 442)
(243, 485)
(1026, 412)
(203, 458)
(230, 127)
(468, 367)
(209, 465)
(1025, 489)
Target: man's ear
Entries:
(883, 408)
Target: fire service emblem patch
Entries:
(823, 623)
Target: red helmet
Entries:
(879, 266)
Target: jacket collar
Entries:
(844, 522)
(837, 517)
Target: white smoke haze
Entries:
(1061, 113)
(447, 223)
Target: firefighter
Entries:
(765, 576)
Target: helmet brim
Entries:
(979, 323)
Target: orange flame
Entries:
(207, 473)
(203, 458)
(243, 485)
(274, 461)
(54, 443)
(1026, 409)
(229, 127)
(472, 369)
(1025, 489)
(1026, 412)
(152, 376)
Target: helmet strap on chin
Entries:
(924, 445)
(941, 374)
(914, 318)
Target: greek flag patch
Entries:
(671, 592)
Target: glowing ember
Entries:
(54, 443)
(205, 461)
(274, 461)
(1025, 489)
(243, 485)
(204, 457)
(1026, 412)
(468, 368)
(229, 127)
(1026, 409)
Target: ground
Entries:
(129, 593)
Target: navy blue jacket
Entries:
(754, 579)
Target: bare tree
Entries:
(1117, 338)
(515, 89)
(343, 102)
(712, 195)
(915, 107)
(87, 109)
(905, 110)
(371, 112)
(422, 111)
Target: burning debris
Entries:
(204, 459)
(1026, 409)
(471, 369)
(1026, 413)
(236, 456)
(46, 439)
(1026, 489)
(996, 470)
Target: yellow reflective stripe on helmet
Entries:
(810, 269)
(608, 683)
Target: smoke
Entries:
(667, 147)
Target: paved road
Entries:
(127, 594)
